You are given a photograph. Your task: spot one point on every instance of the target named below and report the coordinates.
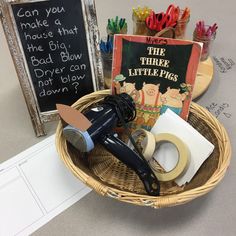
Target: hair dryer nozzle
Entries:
(79, 139)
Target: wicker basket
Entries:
(109, 177)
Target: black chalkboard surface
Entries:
(53, 38)
(55, 48)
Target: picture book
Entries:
(158, 73)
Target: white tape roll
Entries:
(182, 161)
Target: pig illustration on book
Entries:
(130, 89)
(152, 120)
(173, 99)
(140, 119)
(150, 95)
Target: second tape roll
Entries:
(148, 144)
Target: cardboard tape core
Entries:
(183, 159)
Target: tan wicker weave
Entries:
(109, 177)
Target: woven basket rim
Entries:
(146, 200)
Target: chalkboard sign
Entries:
(54, 45)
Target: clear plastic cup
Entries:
(181, 26)
(107, 67)
(139, 27)
(207, 43)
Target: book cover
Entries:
(158, 73)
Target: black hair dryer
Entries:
(115, 110)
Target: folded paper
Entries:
(199, 147)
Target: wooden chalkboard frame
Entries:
(38, 118)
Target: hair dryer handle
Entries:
(121, 151)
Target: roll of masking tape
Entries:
(183, 160)
(145, 141)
